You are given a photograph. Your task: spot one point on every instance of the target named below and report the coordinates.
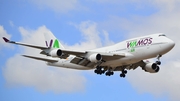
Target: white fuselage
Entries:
(135, 50)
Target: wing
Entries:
(146, 65)
(84, 61)
(24, 44)
(81, 57)
(131, 66)
(112, 56)
(74, 52)
(105, 56)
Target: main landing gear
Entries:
(123, 74)
(109, 72)
(101, 70)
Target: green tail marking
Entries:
(56, 44)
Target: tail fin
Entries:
(51, 41)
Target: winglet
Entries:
(5, 39)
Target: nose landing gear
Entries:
(158, 57)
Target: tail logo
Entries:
(55, 44)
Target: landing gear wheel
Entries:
(99, 70)
(122, 75)
(103, 71)
(109, 73)
(124, 71)
(158, 62)
(112, 73)
(96, 71)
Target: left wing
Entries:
(82, 57)
(24, 44)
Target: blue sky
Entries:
(80, 25)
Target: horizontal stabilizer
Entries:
(5, 39)
(41, 58)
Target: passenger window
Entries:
(162, 35)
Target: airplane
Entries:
(122, 56)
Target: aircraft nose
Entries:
(171, 43)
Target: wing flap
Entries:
(83, 62)
(41, 58)
(74, 52)
(110, 56)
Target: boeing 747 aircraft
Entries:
(123, 56)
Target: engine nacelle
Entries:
(151, 68)
(95, 58)
(56, 53)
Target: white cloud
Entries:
(11, 23)
(57, 5)
(164, 5)
(107, 1)
(165, 82)
(106, 39)
(3, 33)
(91, 36)
(20, 71)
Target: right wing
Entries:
(146, 65)
(82, 54)
(83, 60)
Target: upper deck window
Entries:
(162, 35)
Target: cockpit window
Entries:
(162, 35)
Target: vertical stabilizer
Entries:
(51, 41)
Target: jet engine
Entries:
(95, 58)
(56, 53)
(151, 67)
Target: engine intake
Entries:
(95, 58)
(56, 53)
(151, 68)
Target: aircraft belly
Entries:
(64, 64)
(122, 61)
